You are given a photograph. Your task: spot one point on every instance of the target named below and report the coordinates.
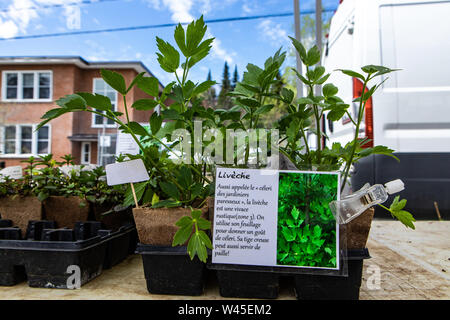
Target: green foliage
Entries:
(43, 178)
(194, 229)
(306, 226)
(396, 210)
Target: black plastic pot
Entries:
(170, 270)
(248, 284)
(44, 257)
(322, 287)
(119, 244)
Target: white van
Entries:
(410, 113)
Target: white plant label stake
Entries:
(14, 172)
(127, 172)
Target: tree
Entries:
(235, 78)
(210, 95)
(224, 101)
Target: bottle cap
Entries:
(394, 186)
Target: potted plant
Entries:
(179, 182)
(62, 199)
(18, 200)
(253, 100)
(106, 202)
(304, 117)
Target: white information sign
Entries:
(275, 218)
(126, 144)
(14, 172)
(126, 172)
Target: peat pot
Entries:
(20, 210)
(357, 230)
(168, 270)
(66, 211)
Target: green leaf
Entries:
(138, 129)
(115, 80)
(72, 102)
(149, 85)
(196, 213)
(201, 52)
(135, 81)
(203, 224)
(169, 57)
(182, 235)
(202, 87)
(295, 213)
(300, 48)
(96, 101)
(329, 90)
(183, 221)
(288, 234)
(195, 32)
(170, 189)
(313, 56)
(264, 109)
(171, 114)
(166, 204)
(155, 122)
(405, 217)
(205, 239)
(144, 104)
(352, 74)
(180, 39)
(288, 95)
(185, 177)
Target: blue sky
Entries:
(238, 42)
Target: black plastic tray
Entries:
(45, 254)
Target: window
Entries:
(85, 153)
(27, 86)
(22, 140)
(101, 87)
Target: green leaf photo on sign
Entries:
(306, 228)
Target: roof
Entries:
(138, 66)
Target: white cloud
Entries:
(18, 16)
(8, 29)
(180, 10)
(273, 32)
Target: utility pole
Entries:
(319, 25)
(319, 45)
(297, 37)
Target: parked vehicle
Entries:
(411, 112)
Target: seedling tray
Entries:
(323, 287)
(120, 243)
(45, 254)
(169, 270)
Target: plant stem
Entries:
(355, 139)
(125, 106)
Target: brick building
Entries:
(31, 85)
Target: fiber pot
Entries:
(157, 226)
(20, 210)
(357, 230)
(66, 211)
(322, 287)
(168, 270)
